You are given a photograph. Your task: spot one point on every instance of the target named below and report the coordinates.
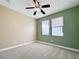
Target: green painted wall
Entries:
(71, 29)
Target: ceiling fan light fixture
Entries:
(38, 10)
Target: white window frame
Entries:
(45, 27)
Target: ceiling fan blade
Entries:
(34, 1)
(43, 12)
(29, 7)
(35, 13)
(46, 6)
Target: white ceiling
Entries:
(55, 6)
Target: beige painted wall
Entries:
(15, 28)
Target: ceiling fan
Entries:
(38, 7)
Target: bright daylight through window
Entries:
(57, 26)
(45, 27)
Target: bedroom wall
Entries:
(15, 28)
(71, 29)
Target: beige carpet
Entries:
(38, 51)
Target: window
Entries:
(45, 27)
(57, 26)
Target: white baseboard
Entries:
(4, 49)
(72, 49)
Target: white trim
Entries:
(72, 49)
(4, 49)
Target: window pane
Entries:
(57, 26)
(57, 21)
(45, 27)
(57, 31)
